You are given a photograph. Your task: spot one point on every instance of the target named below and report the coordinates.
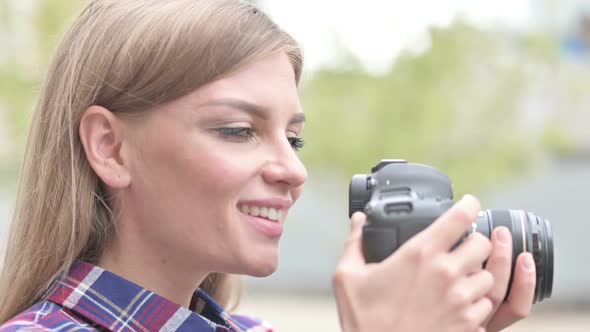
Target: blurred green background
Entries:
(497, 100)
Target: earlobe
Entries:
(102, 136)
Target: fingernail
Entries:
(470, 204)
(467, 197)
(357, 220)
(503, 235)
(466, 200)
(528, 262)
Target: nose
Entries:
(285, 166)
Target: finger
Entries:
(353, 251)
(499, 264)
(452, 225)
(520, 300)
(479, 311)
(475, 286)
(469, 256)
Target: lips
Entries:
(269, 228)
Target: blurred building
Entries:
(566, 86)
(558, 189)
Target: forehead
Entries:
(269, 80)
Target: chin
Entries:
(262, 266)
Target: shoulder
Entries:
(45, 316)
(252, 324)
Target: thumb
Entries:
(353, 249)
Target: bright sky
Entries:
(376, 30)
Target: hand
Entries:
(423, 286)
(520, 299)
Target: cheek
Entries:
(220, 173)
(191, 179)
(202, 181)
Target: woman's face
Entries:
(214, 174)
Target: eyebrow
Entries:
(251, 108)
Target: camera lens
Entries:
(529, 234)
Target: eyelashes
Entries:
(297, 143)
(246, 134)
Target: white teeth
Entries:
(254, 211)
(263, 211)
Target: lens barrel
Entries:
(529, 234)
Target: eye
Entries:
(297, 143)
(240, 133)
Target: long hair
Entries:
(127, 56)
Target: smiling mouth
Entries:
(269, 213)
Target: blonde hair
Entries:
(128, 56)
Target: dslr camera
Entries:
(401, 199)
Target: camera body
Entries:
(401, 199)
(404, 200)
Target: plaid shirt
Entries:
(93, 299)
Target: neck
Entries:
(151, 267)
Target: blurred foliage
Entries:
(453, 107)
(29, 36)
(556, 138)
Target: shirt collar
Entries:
(117, 304)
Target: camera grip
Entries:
(379, 242)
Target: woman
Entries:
(162, 159)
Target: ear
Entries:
(102, 135)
